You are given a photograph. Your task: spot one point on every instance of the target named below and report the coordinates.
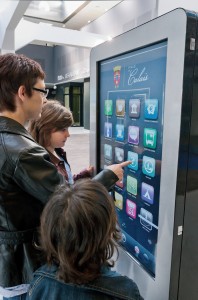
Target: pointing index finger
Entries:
(125, 163)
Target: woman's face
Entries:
(59, 138)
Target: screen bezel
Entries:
(162, 28)
(141, 58)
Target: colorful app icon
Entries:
(133, 135)
(108, 151)
(108, 130)
(134, 160)
(118, 200)
(147, 193)
(120, 132)
(150, 138)
(148, 166)
(146, 218)
(120, 107)
(108, 107)
(151, 109)
(131, 208)
(119, 154)
(134, 108)
(132, 185)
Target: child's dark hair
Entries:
(79, 231)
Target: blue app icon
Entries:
(134, 160)
(108, 130)
(119, 132)
(148, 166)
(108, 151)
(151, 109)
(147, 192)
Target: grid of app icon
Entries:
(118, 200)
(134, 108)
(151, 109)
(146, 218)
(131, 208)
(108, 107)
(148, 166)
(133, 157)
(133, 135)
(137, 110)
(119, 155)
(108, 151)
(108, 130)
(132, 185)
(120, 132)
(147, 192)
(150, 138)
(120, 107)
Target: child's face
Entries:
(59, 138)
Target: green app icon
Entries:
(132, 185)
(108, 107)
(150, 138)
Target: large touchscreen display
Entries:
(131, 105)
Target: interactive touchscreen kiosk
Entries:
(131, 90)
(141, 93)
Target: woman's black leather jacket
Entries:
(27, 180)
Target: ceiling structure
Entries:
(67, 14)
(50, 23)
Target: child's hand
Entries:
(90, 169)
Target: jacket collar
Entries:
(12, 126)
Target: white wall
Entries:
(166, 5)
(123, 17)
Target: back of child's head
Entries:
(79, 231)
(54, 117)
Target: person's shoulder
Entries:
(46, 270)
(118, 286)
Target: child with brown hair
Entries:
(51, 131)
(79, 235)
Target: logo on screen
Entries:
(150, 138)
(108, 130)
(120, 107)
(133, 135)
(148, 166)
(119, 155)
(147, 193)
(132, 185)
(151, 109)
(134, 108)
(134, 160)
(108, 151)
(120, 132)
(116, 75)
(146, 218)
(131, 208)
(118, 201)
(108, 107)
